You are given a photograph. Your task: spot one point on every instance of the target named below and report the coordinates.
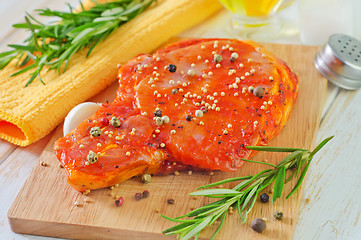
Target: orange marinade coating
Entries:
(210, 99)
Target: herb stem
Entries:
(244, 195)
(54, 44)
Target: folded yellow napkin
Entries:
(28, 114)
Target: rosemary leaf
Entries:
(244, 195)
(62, 38)
(280, 180)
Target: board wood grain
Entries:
(45, 204)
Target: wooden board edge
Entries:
(72, 231)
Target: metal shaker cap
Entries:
(339, 60)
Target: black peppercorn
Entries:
(157, 113)
(264, 197)
(170, 201)
(172, 68)
(189, 118)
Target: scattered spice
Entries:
(138, 196)
(92, 157)
(258, 92)
(146, 178)
(234, 56)
(104, 121)
(174, 91)
(264, 197)
(189, 118)
(145, 194)
(165, 119)
(278, 215)
(95, 131)
(204, 109)
(158, 121)
(78, 204)
(170, 201)
(119, 202)
(158, 113)
(191, 72)
(115, 122)
(199, 113)
(172, 68)
(258, 225)
(218, 58)
(44, 164)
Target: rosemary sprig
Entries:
(244, 195)
(54, 44)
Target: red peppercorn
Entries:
(138, 196)
(145, 194)
(119, 202)
(104, 121)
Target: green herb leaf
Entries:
(61, 39)
(280, 181)
(244, 195)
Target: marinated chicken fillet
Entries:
(198, 103)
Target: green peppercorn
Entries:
(218, 58)
(146, 178)
(115, 122)
(95, 131)
(92, 157)
(278, 215)
(158, 121)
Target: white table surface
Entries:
(333, 186)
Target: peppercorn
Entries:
(119, 202)
(278, 215)
(258, 91)
(92, 157)
(165, 119)
(138, 196)
(218, 58)
(146, 178)
(145, 194)
(258, 225)
(199, 113)
(170, 201)
(174, 91)
(189, 118)
(158, 121)
(172, 68)
(104, 121)
(157, 113)
(234, 56)
(115, 122)
(264, 197)
(95, 131)
(204, 109)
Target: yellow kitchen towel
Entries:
(28, 114)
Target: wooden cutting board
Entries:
(45, 204)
